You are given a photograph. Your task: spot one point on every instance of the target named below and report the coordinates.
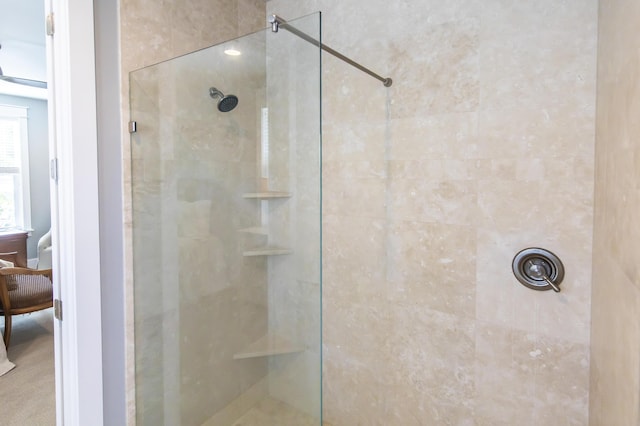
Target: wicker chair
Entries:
(22, 291)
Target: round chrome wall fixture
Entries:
(538, 269)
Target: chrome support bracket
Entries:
(274, 20)
(277, 22)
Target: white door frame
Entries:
(74, 215)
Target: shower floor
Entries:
(271, 411)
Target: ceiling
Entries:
(22, 45)
(22, 20)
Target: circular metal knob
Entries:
(538, 269)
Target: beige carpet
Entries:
(27, 393)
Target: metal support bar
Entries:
(277, 22)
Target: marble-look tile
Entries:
(364, 197)
(206, 267)
(562, 382)
(193, 219)
(356, 94)
(451, 202)
(353, 355)
(250, 16)
(547, 378)
(615, 356)
(296, 379)
(488, 99)
(431, 170)
(271, 411)
(503, 362)
(430, 368)
(175, 150)
(621, 241)
(446, 70)
(353, 258)
(407, 15)
(307, 250)
(507, 19)
(149, 361)
(435, 137)
(464, 128)
(563, 206)
(298, 316)
(545, 70)
(553, 132)
(200, 23)
(145, 33)
(354, 150)
(343, 370)
(432, 265)
(353, 341)
(209, 376)
(616, 282)
(416, 249)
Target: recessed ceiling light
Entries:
(233, 52)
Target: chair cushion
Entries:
(29, 290)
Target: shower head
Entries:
(226, 103)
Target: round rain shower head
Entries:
(226, 103)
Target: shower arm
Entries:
(277, 22)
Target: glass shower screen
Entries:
(226, 233)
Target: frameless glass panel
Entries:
(226, 233)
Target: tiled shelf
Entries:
(269, 345)
(267, 251)
(266, 195)
(258, 230)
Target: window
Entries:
(15, 202)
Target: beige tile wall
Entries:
(615, 334)
(483, 146)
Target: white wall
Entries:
(111, 220)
